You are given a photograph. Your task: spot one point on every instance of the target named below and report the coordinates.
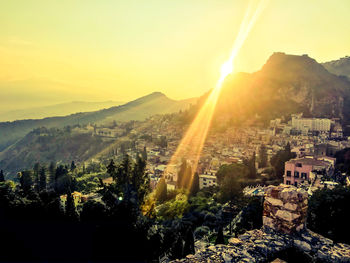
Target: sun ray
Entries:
(192, 143)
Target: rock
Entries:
(302, 245)
(286, 215)
(290, 206)
(226, 257)
(234, 241)
(274, 201)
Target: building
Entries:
(306, 125)
(298, 170)
(207, 180)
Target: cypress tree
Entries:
(161, 192)
(52, 174)
(71, 212)
(195, 184)
(36, 169)
(189, 243)
(2, 177)
(42, 179)
(220, 237)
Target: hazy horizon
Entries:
(112, 50)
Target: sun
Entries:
(226, 68)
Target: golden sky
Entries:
(58, 51)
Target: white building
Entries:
(206, 180)
(305, 125)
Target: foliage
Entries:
(327, 213)
(161, 190)
(278, 160)
(262, 156)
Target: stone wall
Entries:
(285, 208)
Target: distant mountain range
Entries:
(61, 109)
(286, 84)
(139, 109)
(340, 67)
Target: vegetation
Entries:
(326, 213)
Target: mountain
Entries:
(340, 67)
(285, 84)
(50, 145)
(56, 110)
(139, 109)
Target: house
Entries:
(298, 170)
(206, 180)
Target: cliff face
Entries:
(287, 84)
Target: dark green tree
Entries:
(42, 179)
(26, 181)
(144, 153)
(71, 212)
(112, 169)
(195, 184)
(220, 237)
(72, 166)
(140, 179)
(184, 175)
(52, 174)
(161, 190)
(279, 159)
(262, 156)
(2, 177)
(36, 170)
(189, 243)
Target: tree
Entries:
(140, 179)
(144, 153)
(42, 179)
(111, 169)
(327, 210)
(251, 166)
(195, 184)
(2, 177)
(25, 180)
(262, 156)
(71, 212)
(72, 166)
(279, 159)
(36, 170)
(189, 243)
(220, 237)
(184, 175)
(161, 191)
(52, 174)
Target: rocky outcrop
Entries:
(285, 208)
(265, 245)
(283, 235)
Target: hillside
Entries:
(286, 84)
(340, 67)
(56, 110)
(139, 109)
(50, 145)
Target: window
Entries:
(204, 183)
(299, 165)
(295, 184)
(296, 174)
(303, 175)
(289, 173)
(288, 182)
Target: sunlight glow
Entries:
(192, 143)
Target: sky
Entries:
(64, 50)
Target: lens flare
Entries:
(192, 143)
